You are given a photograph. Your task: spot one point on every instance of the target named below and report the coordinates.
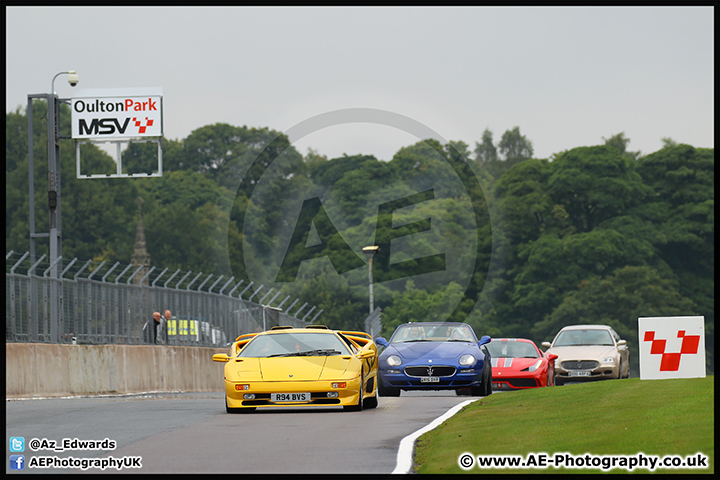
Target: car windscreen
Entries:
(432, 332)
(499, 349)
(569, 338)
(294, 344)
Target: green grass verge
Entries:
(612, 417)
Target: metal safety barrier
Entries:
(97, 303)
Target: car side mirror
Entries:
(220, 357)
(381, 341)
(483, 340)
(546, 344)
(621, 342)
(551, 357)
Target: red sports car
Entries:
(518, 363)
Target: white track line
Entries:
(405, 452)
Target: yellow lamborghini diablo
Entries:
(290, 367)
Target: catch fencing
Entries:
(373, 323)
(96, 303)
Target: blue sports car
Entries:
(434, 356)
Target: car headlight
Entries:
(394, 360)
(466, 360)
(534, 366)
(609, 360)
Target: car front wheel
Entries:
(384, 391)
(371, 402)
(485, 388)
(359, 406)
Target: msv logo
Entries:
(143, 125)
(671, 360)
(111, 126)
(671, 347)
(321, 230)
(102, 126)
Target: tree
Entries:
(352, 182)
(594, 184)
(420, 305)
(142, 157)
(486, 151)
(226, 153)
(620, 142)
(425, 165)
(669, 142)
(313, 159)
(458, 151)
(185, 214)
(524, 204)
(515, 146)
(512, 148)
(681, 205)
(268, 178)
(342, 307)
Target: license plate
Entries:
(429, 379)
(579, 373)
(289, 397)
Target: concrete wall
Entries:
(38, 370)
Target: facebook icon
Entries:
(17, 462)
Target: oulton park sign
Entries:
(108, 114)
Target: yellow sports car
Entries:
(288, 366)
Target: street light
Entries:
(54, 169)
(53, 156)
(370, 251)
(55, 231)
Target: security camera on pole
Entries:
(55, 232)
(54, 174)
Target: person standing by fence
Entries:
(166, 319)
(155, 326)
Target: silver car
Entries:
(589, 352)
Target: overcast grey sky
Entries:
(566, 76)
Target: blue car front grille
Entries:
(430, 371)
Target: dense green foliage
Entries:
(515, 246)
